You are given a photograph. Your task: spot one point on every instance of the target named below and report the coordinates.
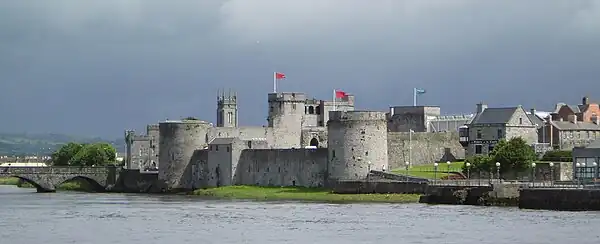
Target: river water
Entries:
(68, 217)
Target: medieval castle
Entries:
(306, 142)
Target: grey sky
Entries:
(98, 67)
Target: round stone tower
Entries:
(178, 142)
(357, 144)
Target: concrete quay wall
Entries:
(560, 199)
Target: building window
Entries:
(500, 134)
(249, 144)
(520, 121)
(216, 147)
(227, 149)
(478, 134)
(229, 117)
(478, 149)
(293, 106)
(490, 148)
(271, 109)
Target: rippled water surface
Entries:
(59, 218)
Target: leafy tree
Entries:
(63, 156)
(74, 154)
(97, 154)
(513, 155)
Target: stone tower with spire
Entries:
(227, 110)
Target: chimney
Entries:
(532, 111)
(585, 101)
(481, 107)
(573, 118)
(595, 120)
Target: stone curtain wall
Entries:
(427, 148)
(282, 167)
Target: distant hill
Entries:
(21, 144)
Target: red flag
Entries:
(279, 76)
(340, 94)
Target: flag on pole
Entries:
(419, 91)
(340, 94)
(279, 76)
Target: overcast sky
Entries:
(98, 67)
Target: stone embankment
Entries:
(560, 199)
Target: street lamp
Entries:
(533, 173)
(435, 168)
(498, 170)
(468, 173)
(448, 163)
(407, 165)
(551, 173)
(577, 174)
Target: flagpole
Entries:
(274, 82)
(334, 107)
(414, 97)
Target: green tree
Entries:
(63, 156)
(515, 155)
(558, 156)
(477, 163)
(97, 154)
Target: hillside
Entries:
(20, 144)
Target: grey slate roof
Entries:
(566, 125)
(221, 141)
(535, 119)
(494, 116)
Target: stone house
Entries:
(573, 125)
(565, 135)
(491, 125)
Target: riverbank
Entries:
(67, 186)
(301, 194)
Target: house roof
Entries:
(580, 125)
(494, 116)
(535, 119)
(222, 141)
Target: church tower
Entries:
(227, 111)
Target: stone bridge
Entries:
(46, 179)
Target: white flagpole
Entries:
(334, 107)
(274, 82)
(414, 97)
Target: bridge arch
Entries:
(93, 184)
(34, 183)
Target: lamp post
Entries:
(551, 173)
(407, 165)
(498, 171)
(595, 170)
(448, 163)
(577, 167)
(410, 131)
(533, 174)
(468, 173)
(435, 168)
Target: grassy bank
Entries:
(428, 170)
(67, 186)
(301, 194)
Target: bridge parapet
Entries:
(46, 179)
(56, 170)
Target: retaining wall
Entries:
(560, 199)
(427, 148)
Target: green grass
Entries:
(428, 170)
(67, 186)
(301, 194)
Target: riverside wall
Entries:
(282, 167)
(560, 199)
(427, 148)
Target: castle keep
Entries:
(306, 142)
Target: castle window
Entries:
(311, 110)
(362, 132)
(367, 153)
(318, 109)
(249, 144)
(293, 106)
(229, 117)
(520, 121)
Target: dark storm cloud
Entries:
(97, 67)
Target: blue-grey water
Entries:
(27, 217)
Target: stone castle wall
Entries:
(427, 148)
(282, 167)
